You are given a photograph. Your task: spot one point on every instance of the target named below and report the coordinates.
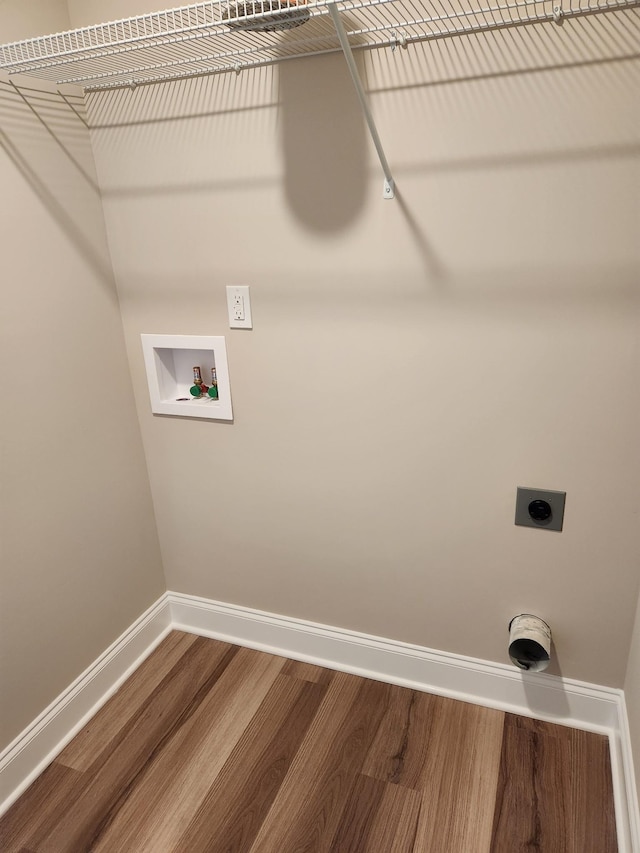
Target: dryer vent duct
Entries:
(529, 642)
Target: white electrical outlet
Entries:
(239, 307)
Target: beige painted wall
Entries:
(20, 20)
(80, 556)
(632, 693)
(84, 13)
(412, 361)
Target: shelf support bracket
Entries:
(389, 186)
(72, 108)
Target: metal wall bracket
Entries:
(399, 40)
(355, 76)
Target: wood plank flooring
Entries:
(211, 747)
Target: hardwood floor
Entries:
(211, 747)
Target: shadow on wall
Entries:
(538, 698)
(453, 100)
(42, 133)
(324, 139)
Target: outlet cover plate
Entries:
(556, 501)
(239, 295)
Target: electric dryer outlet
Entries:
(540, 508)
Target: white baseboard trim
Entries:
(627, 771)
(28, 755)
(495, 685)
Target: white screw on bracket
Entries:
(558, 15)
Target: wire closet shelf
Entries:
(211, 37)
